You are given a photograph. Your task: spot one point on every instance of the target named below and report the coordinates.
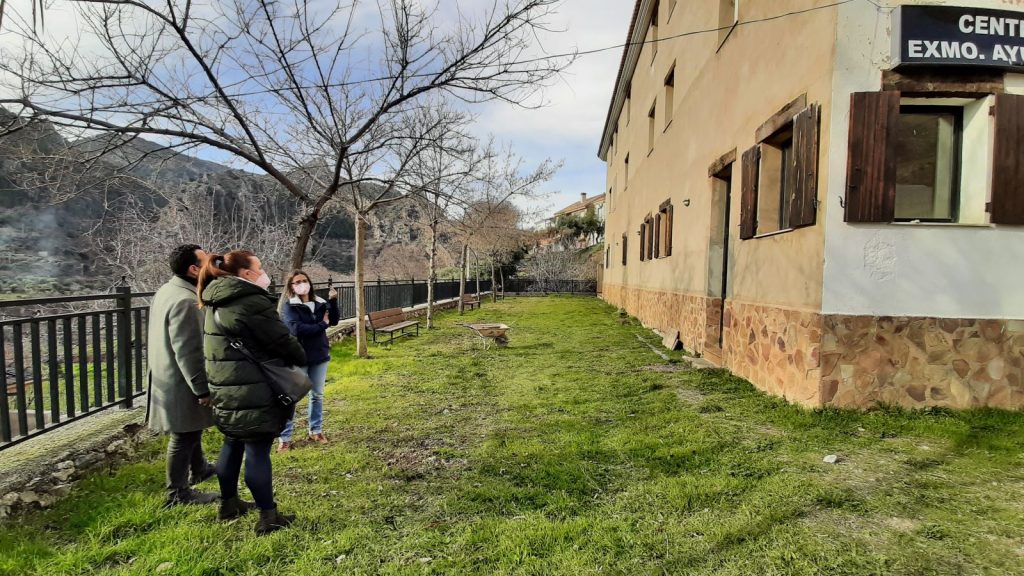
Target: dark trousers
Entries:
(257, 471)
(184, 457)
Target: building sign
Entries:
(945, 35)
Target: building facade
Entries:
(826, 199)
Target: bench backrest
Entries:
(384, 318)
(471, 298)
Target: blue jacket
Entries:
(310, 328)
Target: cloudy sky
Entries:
(566, 128)
(569, 126)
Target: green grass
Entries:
(566, 453)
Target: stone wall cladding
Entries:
(664, 311)
(776, 349)
(917, 362)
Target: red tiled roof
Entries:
(576, 206)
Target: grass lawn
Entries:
(576, 450)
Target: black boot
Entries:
(271, 520)
(208, 472)
(234, 507)
(189, 496)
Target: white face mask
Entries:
(301, 289)
(263, 281)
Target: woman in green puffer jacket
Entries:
(235, 286)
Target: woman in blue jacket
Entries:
(307, 317)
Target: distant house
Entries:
(594, 204)
(581, 207)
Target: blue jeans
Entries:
(318, 376)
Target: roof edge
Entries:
(630, 56)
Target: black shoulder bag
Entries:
(289, 384)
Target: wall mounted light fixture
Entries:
(686, 202)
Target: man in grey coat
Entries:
(178, 395)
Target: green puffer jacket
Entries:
(243, 407)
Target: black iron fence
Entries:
(68, 357)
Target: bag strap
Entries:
(233, 341)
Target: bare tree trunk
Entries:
(494, 284)
(431, 275)
(501, 275)
(476, 264)
(306, 226)
(361, 350)
(463, 264)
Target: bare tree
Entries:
(498, 238)
(501, 179)
(294, 90)
(139, 234)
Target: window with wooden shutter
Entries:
(871, 166)
(625, 248)
(1008, 161)
(748, 194)
(804, 203)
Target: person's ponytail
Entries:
(218, 265)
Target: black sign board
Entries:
(946, 35)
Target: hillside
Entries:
(63, 204)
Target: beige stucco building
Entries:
(826, 199)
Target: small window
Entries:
(615, 139)
(670, 83)
(607, 256)
(928, 163)
(626, 106)
(653, 33)
(625, 172)
(775, 188)
(609, 200)
(625, 249)
(650, 127)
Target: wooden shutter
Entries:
(871, 166)
(657, 235)
(1008, 161)
(643, 241)
(650, 237)
(625, 248)
(748, 196)
(668, 230)
(803, 206)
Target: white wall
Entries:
(950, 271)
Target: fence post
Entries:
(123, 304)
(380, 295)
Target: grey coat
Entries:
(177, 371)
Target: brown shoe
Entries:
(319, 438)
(284, 447)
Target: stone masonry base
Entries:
(848, 361)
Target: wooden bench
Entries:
(470, 301)
(392, 322)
